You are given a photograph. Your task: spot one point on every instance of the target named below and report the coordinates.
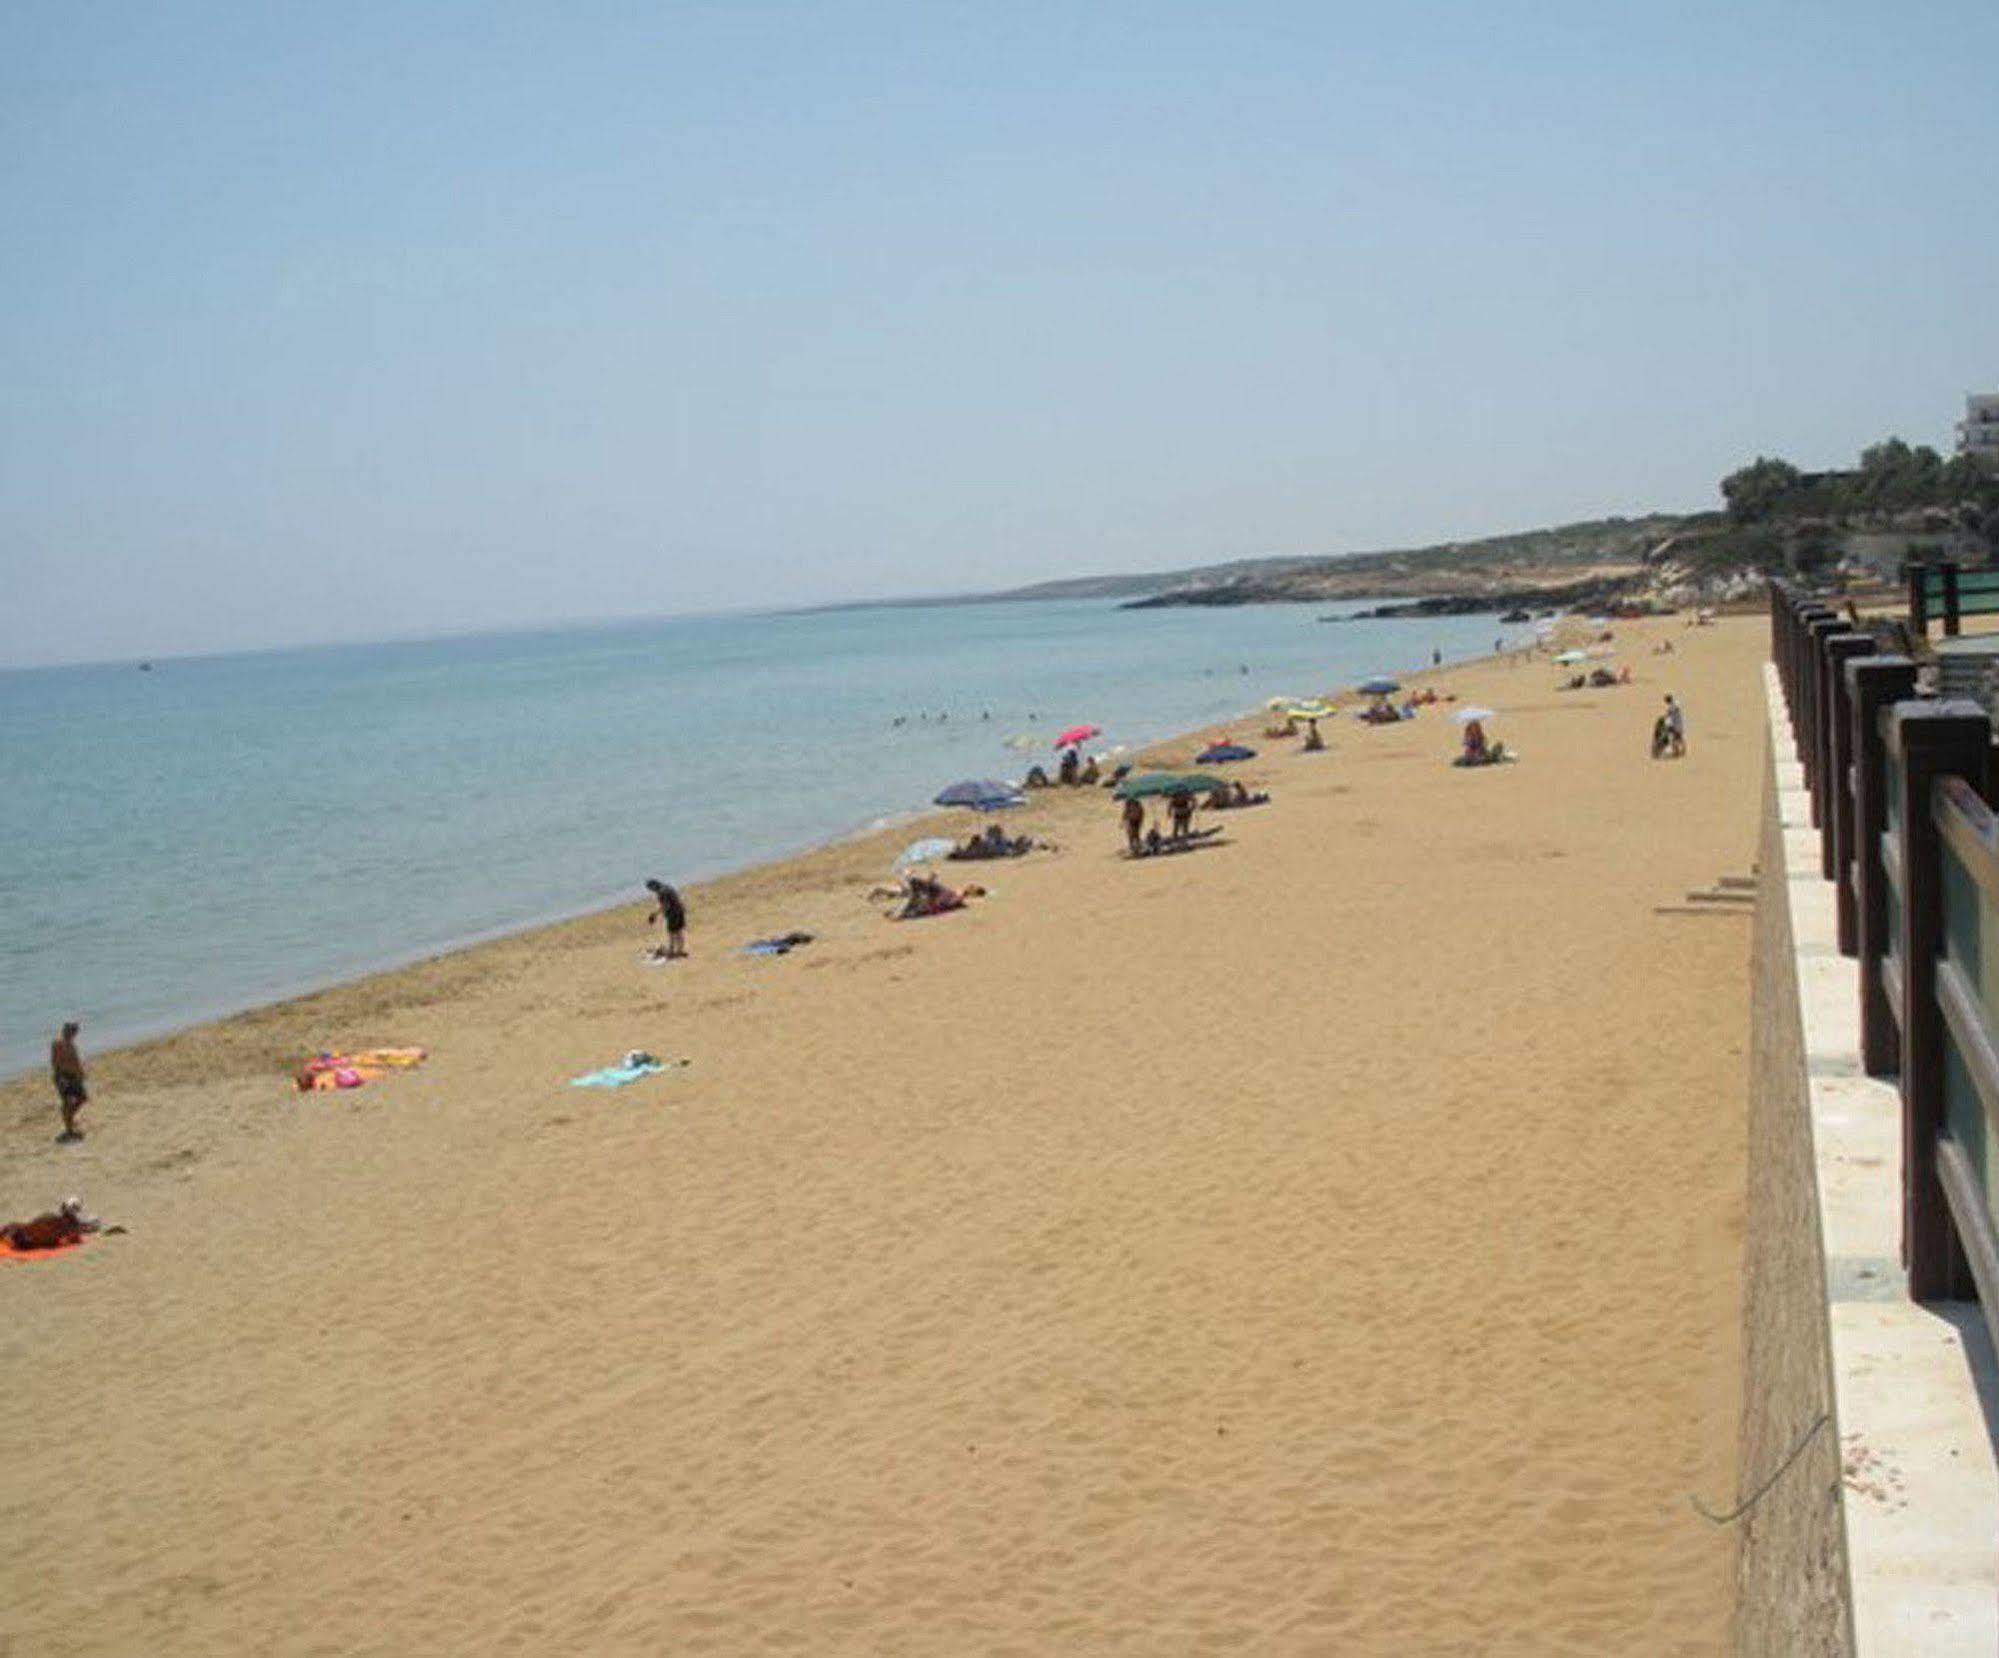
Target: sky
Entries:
(388, 319)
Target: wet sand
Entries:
(1325, 1242)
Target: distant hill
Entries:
(1525, 560)
(1595, 552)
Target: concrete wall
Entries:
(1791, 1571)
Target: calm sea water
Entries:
(226, 830)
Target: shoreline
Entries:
(266, 1005)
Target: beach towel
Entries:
(9, 1253)
(780, 946)
(327, 1071)
(617, 1076)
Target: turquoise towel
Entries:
(614, 1076)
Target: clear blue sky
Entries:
(323, 321)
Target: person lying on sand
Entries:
(924, 896)
(994, 843)
(62, 1225)
(1156, 845)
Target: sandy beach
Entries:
(1325, 1242)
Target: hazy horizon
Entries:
(382, 324)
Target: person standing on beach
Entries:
(1134, 826)
(66, 1064)
(1676, 727)
(672, 915)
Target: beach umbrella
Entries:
(925, 851)
(980, 794)
(1464, 716)
(1379, 687)
(1220, 754)
(1279, 705)
(1077, 734)
(1569, 659)
(1309, 711)
(1166, 782)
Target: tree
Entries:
(1812, 547)
(1894, 475)
(1756, 491)
(1963, 479)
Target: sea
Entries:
(213, 833)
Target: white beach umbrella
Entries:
(925, 851)
(1464, 716)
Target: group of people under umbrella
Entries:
(922, 893)
(1181, 791)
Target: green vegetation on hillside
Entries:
(1781, 517)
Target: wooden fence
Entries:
(1902, 795)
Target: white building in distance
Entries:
(1978, 431)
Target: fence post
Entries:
(1917, 575)
(1817, 631)
(1934, 739)
(1803, 611)
(1780, 634)
(1836, 836)
(1953, 616)
(1877, 682)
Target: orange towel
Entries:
(9, 1253)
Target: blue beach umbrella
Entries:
(1379, 687)
(980, 794)
(1217, 754)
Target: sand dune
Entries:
(1323, 1244)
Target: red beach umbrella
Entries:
(1077, 734)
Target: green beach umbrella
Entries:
(1167, 782)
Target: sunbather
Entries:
(62, 1225)
(994, 843)
(930, 897)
